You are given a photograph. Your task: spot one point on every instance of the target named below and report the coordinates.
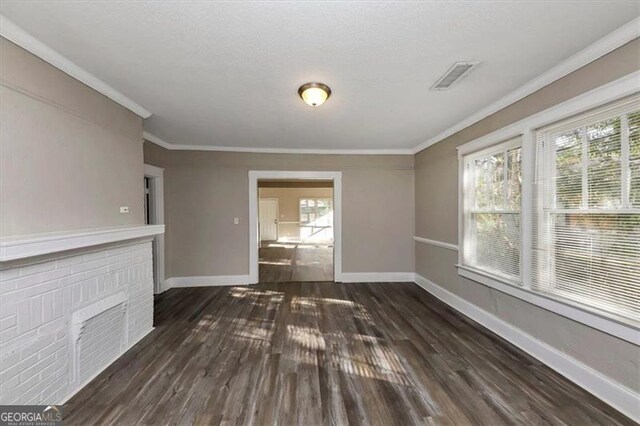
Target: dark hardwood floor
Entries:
(290, 261)
(324, 353)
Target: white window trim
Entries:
(525, 128)
(499, 147)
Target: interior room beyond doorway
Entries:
(296, 230)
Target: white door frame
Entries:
(156, 174)
(254, 237)
(277, 200)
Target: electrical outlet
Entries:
(236, 220)
(124, 209)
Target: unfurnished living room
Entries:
(319, 212)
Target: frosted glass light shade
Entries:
(314, 94)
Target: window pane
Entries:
(304, 218)
(489, 182)
(596, 259)
(481, 172)
(605, 169)
(492, 230)
(589, 252)
(497, 180)
(568, 149)
(497, 242)
(634, 157)
(514, 179)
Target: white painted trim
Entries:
(23, 246)
(86, 382)
(607, 93)
(615, 39)
(610, 42)
(157, 175)
(527, 208)
(254, 175)
(574, 311)
(17, 35)
(594, 98)
(436, 243)
(377, 277)
(156, 140)
(153, 171)
(466, 201)
(615, 394)
(208, 281)
(180, 147)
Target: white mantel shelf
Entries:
(25, 246)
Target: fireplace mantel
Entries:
(25, 246)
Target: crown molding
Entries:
(179, 147)
(608, 43)
(612, 41)
(156, 140)
(17, 35)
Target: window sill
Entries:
(618, 327)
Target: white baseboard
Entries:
(86, 382)
(618, 396)
(207, 281)
(377, 277)
(228, 280)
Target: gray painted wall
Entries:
(436, 203)
(204, 191)
(70, 156)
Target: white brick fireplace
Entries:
(70, 305)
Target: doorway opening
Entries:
(154, 215)
(295, 226)
(295, 222)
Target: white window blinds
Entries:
(492, 188)
(586, 227)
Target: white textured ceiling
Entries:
(227, 74)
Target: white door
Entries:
(268, 219)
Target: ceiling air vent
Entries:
(455, 73)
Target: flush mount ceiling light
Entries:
(314, 94)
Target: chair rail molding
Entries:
(436, 243)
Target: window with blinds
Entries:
(586, 223)
(492, 199)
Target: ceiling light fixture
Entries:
(314, 94)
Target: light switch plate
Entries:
(236, 220)
(124, 209)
